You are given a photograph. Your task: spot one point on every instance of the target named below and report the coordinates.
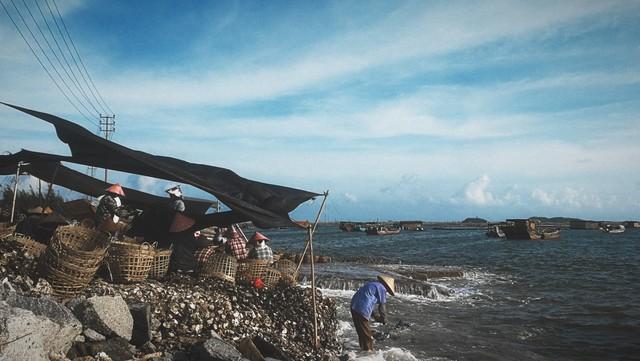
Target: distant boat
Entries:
(382, 231)
(521, 229)
(550, 233)
(613, 228)
(495, 232)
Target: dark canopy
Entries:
(266, 205)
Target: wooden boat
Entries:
(613, 228)
(521, 229)
(382, 231)
(550, 234)
(495, 232)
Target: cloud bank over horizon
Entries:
(419, 110)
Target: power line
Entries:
(71, 76)
(40, 61)
(66, 43)
(78, 55)
(54, 54)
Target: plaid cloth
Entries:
(261, 253)
(236, 246)
(202, 255)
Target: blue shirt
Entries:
(367, 296)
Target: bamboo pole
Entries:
(315, 224)
(313, 290)
(15, 192)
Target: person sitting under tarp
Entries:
(110, 210)
(236, 245)
(186, 242)
(177, 201)
(260, 249)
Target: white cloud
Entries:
(476, 193)
(147, 184)
(352, 198)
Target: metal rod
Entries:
(15, 192)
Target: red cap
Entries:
(257, 283)
(257, 237)
(181, 223)
(116, 189)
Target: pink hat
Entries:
(257, 237)
(181, 223)
(116, 189)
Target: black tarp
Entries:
(266, 205)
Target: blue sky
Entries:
(427, 110)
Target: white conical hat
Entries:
(176, 191)
(388, 283)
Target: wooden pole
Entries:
(313, 290)
(15, 192)
(315, 224)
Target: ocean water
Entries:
(577, 298)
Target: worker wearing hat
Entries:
(260, 249)
(177, 200)
(236, 245)
(110, 206)
(363, 303)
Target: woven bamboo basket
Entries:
(160, 264)
(130, 262)
(6, 229)
(221, 266)
(72, 259)
(271, 277)
(32, 246)
(288, 270)
(252, 270)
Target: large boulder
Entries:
(215, 349)
(141, 313)
(108, 315)
(33, 327)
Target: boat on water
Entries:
(550, 233)
(521, 229)
(382, 230)
(495, 232)
(613, 228)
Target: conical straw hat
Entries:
(181, 223)
(116, 189)
(388, 283)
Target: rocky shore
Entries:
(180, 318)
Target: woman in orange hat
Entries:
(260, 249)
(110, 206)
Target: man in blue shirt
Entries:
(362, 304)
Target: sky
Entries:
(430, 110)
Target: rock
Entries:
(92, 335)
(249, 350)
(108, 315)
(141, 313)
(49, 326)
(148, 348)
(268, 349)
(215, 349)
(117, 349)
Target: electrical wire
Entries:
(71, 76)
(78, 55)
(66, 43)
(42, 64)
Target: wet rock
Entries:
(249, 350)
(117, 349)
(215, 349)
(141, 313)
(269, 350)
(107, 315)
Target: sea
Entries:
(575, 298)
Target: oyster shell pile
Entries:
(19, 268)
(187, 309)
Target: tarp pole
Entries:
(315, 224)
(15, 192)
(313, 290)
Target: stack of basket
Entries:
(288, 269)
(160, 264)
(72, 259)
(130, 262)
(271, 277)
(251, 270)
(221, 266)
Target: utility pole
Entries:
(108, 126)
